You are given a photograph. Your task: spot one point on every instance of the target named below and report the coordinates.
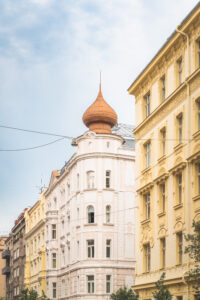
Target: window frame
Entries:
(108, 283)
(180, 70)
(147, 257)
(179, 236)
(108, 214)
(90, 248)
(54, 260)
(108, 248)
(180, 128)
(147, 104)
(163, 252)
(147, 153)
(90, 214)
(53, 231)
(147, 205)
(108, 179)
(90, 284)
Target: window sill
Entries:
(161, 214)
(108, 189)
(108, 224)
(145, 221)
(90, 224)
(196, 198)
(177, 206)
(196, 134)
(162, 158)
(178, 146)
(146, 170)
(90, 189)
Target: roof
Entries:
(125, 131)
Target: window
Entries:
(179, 297)
(180, 128)
(163, 88)
(78, 243)
(163, 141)
(90, 248)
(90, 211)
(108, 144)
(90, 282)
(147, 257)
(53, 260)
(108, 173)
(108, 248)
(147, 100)
(90, 179)
(68, 254)
(63, 226)
(163, 252)
(179, 237)
(54, 289)
(147, 149)
(179, 188)
(108, 283)
(78, 181)
(198, 114)
(63, 288)
(198, 53)
(198, 178)
(55, 203)
(147, 205)
(163, 197)
(108, 209)
(53, 231)
(180, 70)
(63, 257)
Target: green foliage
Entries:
(27, 294)
(124, 294)
(162, 292)
(193, 250)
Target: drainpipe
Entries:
(189, 132)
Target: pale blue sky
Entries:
(51, 52)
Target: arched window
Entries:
(108, 209)
(90, 179)
(90, 211)
(108, 179)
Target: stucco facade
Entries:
(35, 276)
(167, 97)
(2, 266)
(90, 218)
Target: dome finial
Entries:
(100, 81)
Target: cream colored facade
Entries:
(2, 265)
(35, 275)
(167, 134)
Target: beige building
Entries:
(167, 134)
(2, 265)
(35, 275)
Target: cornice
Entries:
(179, 167)
(35, 228)
(161, 178)
(145, 188)
(194, 157)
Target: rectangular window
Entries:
(198, 114)
(179, 237)
(147, 258)
(163, 141)
(180, 70)
(53, 231)
(90, 248)
(147, 149)
(147, 101)
(78, 250)
(54, 289)
(198, 178)
(180, 128)
(147, 206)
(108, 248)
(54, 260)
(90, 283)
(179, 188)
(63, 257)
(163, 197)
(198, 53)
(163, 88)
(108, 179)
(108, 283)
(163, 252)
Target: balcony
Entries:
(6, 270)
(6, 254)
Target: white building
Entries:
(90, 212)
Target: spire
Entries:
(100, 117)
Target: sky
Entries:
(51, 53)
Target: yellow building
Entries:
(167, 135)
(35, 274)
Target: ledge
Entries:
(145, 221)
(108, 224)
(196, 134)
(161, 214)
(196, 198)
(146, 170)
(177, 206)
(162, 158)
(179, 146)
(90, 224)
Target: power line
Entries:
(38, 132)
(31, 148)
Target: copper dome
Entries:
(100, 117)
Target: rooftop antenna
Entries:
(40, 187)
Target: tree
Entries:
(193, 249)
(124, 294)
(27, 294)
(162, 292)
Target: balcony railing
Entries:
(6, 270)
(6, 254)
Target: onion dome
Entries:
(100, 117)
